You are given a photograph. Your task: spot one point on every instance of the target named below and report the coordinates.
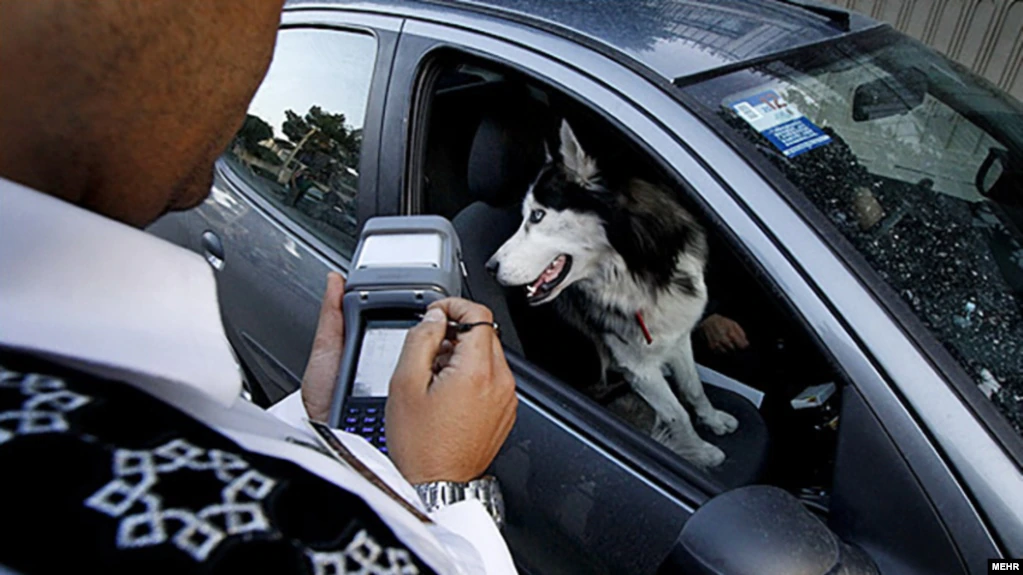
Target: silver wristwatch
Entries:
(438, 494)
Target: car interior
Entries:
(482, 130)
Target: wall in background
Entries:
(983, 35)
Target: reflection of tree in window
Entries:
(249, 146)
(325, 157)
(314, 169)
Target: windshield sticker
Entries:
(780, 122)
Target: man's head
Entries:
(122, 106)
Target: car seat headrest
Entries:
(507, 151)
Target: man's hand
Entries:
(451, 404)
(325, 358)
(723, 334)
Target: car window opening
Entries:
(484, 144)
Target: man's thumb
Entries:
(422, 344)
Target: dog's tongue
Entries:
(549, 274)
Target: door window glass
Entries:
(300, 144)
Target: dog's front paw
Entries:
(693, 450)
(705, 455)
(720, 422)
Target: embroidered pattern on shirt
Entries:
(46, 401)
(363, 557)
(197, 533)
(133, 495)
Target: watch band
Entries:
(438, 494)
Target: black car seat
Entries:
(504, 157)
(505, 154)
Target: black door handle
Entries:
(213, 249)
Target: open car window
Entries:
(919, 165)
(482, 149)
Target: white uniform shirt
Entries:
(94, 294)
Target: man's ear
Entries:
(580, 167)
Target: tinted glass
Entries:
(300, 144)
(920, 165)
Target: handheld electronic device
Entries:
(401, 265)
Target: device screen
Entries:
(400, 250)
(381, 346)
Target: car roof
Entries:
(678, 38)
(673, 38)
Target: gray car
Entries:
(864, 202)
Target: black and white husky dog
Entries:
(625, 266)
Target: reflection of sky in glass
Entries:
(317, 67)
(664, 55)
(682, 37)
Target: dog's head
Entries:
(562, 236)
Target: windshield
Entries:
(920, 165)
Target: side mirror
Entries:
(991, 171)
(889, 96)
(761, 530)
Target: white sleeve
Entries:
(464, 523)
(470, 523)
(290, 410)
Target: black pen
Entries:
(455, 328)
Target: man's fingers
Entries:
(331, 325)
(736, 336)
(473, 347)
(473, 350)
(325, 356)
(422, 344)
(463, 310)
(333, 294)
(443, 355)
(335, 290)
(741, 340)
(742, 336)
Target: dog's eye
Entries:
(536, 215)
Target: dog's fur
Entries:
(632, 250)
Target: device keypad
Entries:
(368, 422)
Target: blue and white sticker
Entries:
(780, 122)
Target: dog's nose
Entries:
(492, 265)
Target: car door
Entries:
(293, 186)
(575, 501)
(578, 490)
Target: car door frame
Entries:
(540, 389)
(796, 259)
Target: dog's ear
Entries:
(581, 167)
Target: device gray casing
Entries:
(448, 277)
(406, 290)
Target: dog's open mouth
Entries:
(552, 275)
